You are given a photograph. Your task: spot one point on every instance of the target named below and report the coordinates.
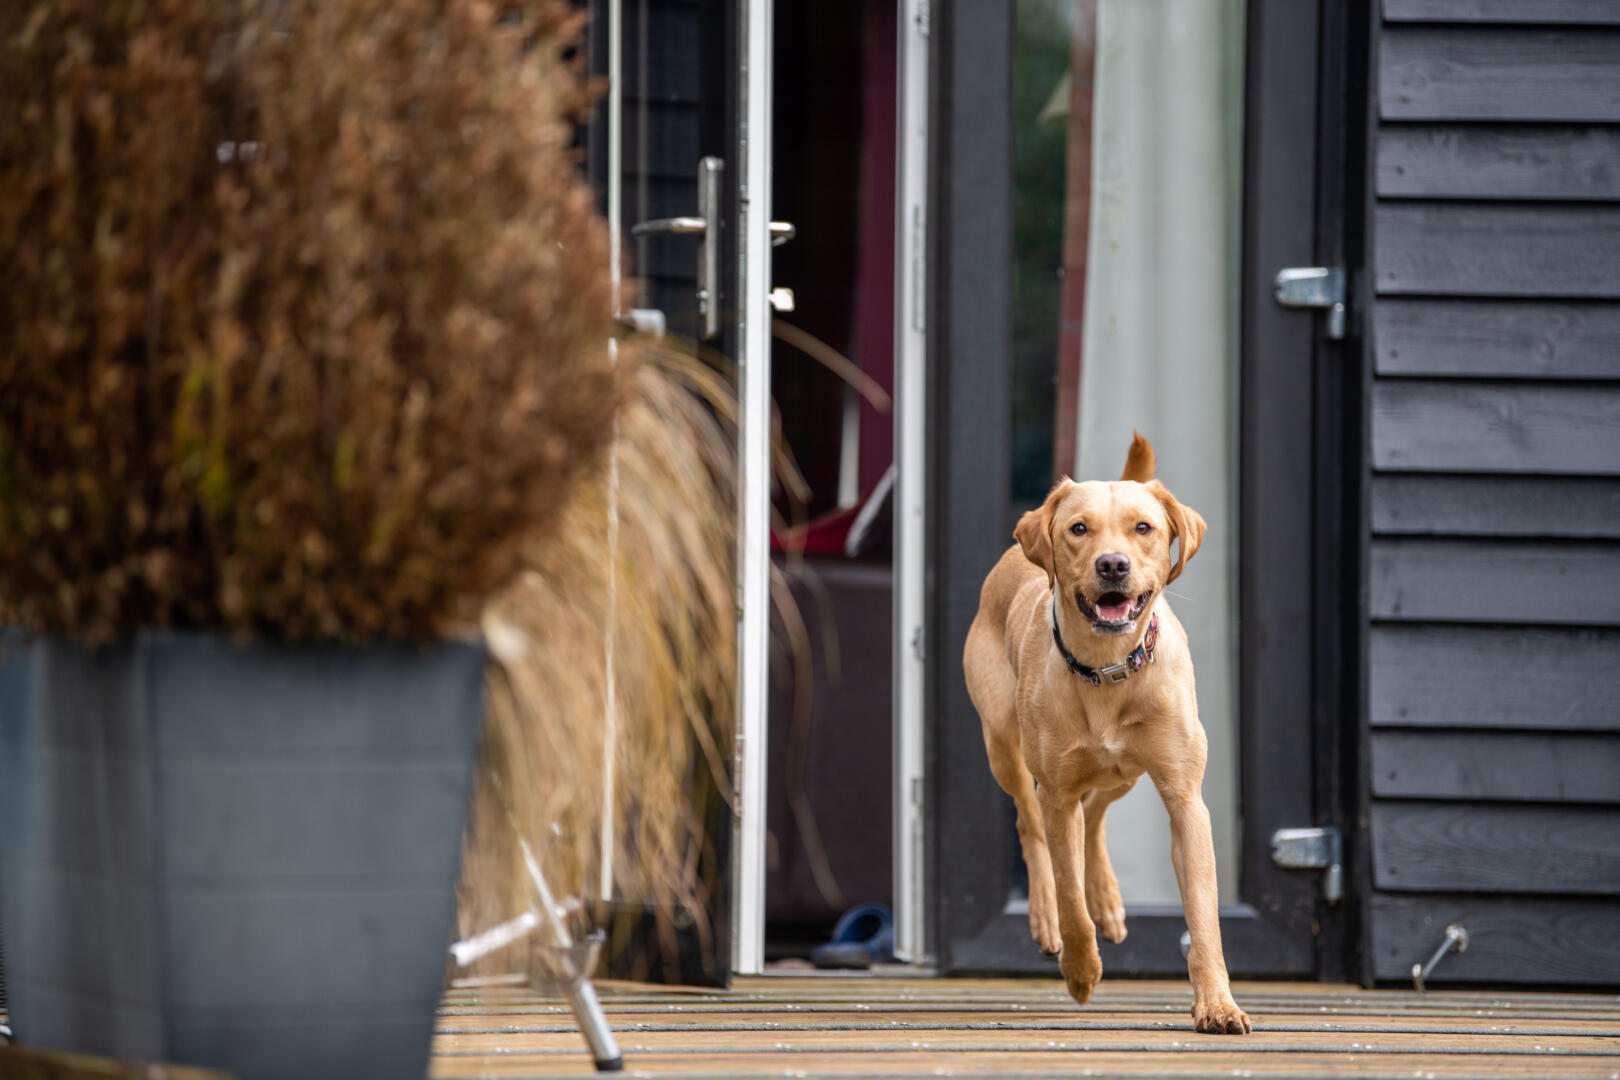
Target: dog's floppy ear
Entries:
(1139, 462)
(1186, 525)
(1034, 531)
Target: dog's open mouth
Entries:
(1113, 612)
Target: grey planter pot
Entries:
(237, 857)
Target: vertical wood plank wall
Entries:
(1493, 581)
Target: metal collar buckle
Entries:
(1115, 673)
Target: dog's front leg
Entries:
(1065, 838)
(1192, 849)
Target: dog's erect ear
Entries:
(1034, 531)
(1186, 524)
(1139, 463)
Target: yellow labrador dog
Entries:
(1082, 679)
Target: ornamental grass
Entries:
(665, 594)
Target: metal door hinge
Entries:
(1314, 287)
(924, 18)
(1312, 849)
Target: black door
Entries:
(1289, 592)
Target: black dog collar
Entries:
(1113, 673)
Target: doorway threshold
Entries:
(803, 969)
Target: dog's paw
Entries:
(1103, 902)
(1220, 1016)
(1109, 915)
(1081, 974)
(1043, 923)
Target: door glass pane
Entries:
(1126, 287)
(1042, 43)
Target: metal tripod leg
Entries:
(578, 965)
(594, 1026)
(578, 959)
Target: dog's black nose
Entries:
(1113, 567)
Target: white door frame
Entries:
(910, 455)
(754, 479)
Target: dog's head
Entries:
(1105, 545)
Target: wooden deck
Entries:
(812, 1026)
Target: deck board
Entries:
(908, 1027)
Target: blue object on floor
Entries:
(863, 936)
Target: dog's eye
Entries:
(1078, 528)
(1143, 527)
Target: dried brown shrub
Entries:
(303, 323)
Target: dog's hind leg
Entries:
(1103, 901)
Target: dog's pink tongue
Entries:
(1114, 612)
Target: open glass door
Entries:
(681, 149)
(685, 155)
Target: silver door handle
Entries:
(680, 226)
(710, 170)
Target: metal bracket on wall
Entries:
(1313, 849)
(1456, 940)
(1314, 287)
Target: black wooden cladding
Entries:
(1566, 507)
(1535, 940)
(662, 42)
(1492, 578)
(1499, 73)
(1498, 161)
(665, 145)
(1499, 339)
(1505, 250)
(664, 106)
(1493, 677)
(1507, 11)
(1432, 426)
(1508, 582)
(1489, 847)
(1502, 766)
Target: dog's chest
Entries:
(1102, 757)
